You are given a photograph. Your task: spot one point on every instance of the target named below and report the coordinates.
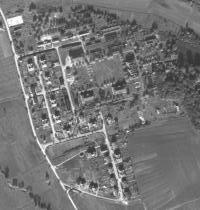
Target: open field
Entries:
(9, 86)
(5, 44)
(88, 202)
(18, 148)
(166, 159)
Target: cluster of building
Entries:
(89, 121)
(61, 108)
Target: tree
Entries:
(197, 59)
(116, 120)
(30, 48)
(154, 26)
(49, 206)
(29, 188)
(60, 9)
(34, 17)
(37, 200)
(42, 205)
(102, 93)
(133, 22)
(189, 57)
(21, 184)
(31, 195)
(14, 182)
(47, 175)
(180, 59)
(32, 6)
(6, 172)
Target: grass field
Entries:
(9, 86)
(5, 44)
(108, 70)
(167, 160)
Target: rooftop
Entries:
(14, 21)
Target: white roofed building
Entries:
(14, 21)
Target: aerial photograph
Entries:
(99, 104)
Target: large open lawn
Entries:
(108, 70)
(167, 163)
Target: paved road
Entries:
(113, 162)
(29, 113)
